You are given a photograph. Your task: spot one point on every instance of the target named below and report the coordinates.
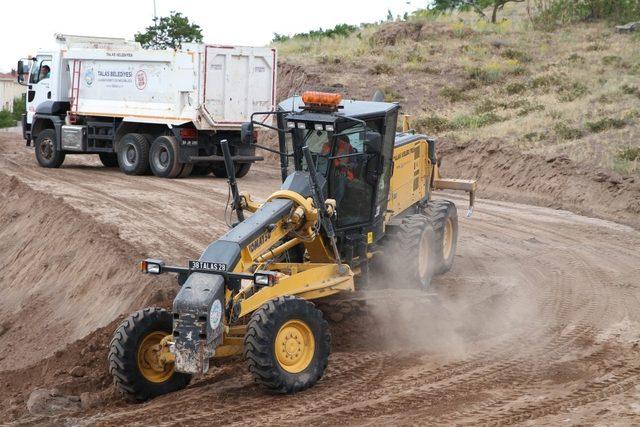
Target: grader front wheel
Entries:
(138, 370)
(287, 344)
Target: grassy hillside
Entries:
(571, 92)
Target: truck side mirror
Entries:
(22, 71)
(247, 135)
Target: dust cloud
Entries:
(461, 312)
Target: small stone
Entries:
(90, 400)
(47, 402)
(78, 372)
(615, 179)
(601, 177)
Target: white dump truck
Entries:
(160, 110)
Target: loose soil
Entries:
(538, 321)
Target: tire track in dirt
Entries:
(537, 317)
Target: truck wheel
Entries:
(47, 154)
(411, 254)
(109, 160)
(187, 168)
(443, 217)
(201, 169)
(242, 169)
(136, 372)
(287, 344)
(133, 154)
(164, 157)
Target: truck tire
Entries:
(201, 169)
(287, 344)
(133, 154)
(242, 169)
(134, 374)
(163, 157)
(187, 168)
(443, 217)
(47, 155)
(409, 251)
(109, 160)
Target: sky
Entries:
(24, 30)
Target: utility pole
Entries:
(155, 14)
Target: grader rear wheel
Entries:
(443, 217)
(138, 372)
(287, 344)
(411, 252)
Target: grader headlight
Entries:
(265, 278)
(151, 266)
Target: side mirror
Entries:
(372, 169)
(22, 71)
(373, 143)
(247, 134)
(373, 147)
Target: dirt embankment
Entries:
(62, 276)
(504, 173)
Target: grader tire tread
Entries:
(438, 211)
(128, 381)
(406, 248)
(258, 344)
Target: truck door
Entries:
(40, 84)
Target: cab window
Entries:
(40, 70)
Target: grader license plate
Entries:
(214, 267)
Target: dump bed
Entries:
(212, 86)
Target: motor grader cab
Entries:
(355, 193)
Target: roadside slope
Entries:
(62, 274)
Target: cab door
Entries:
(40, 84)
(353, 175)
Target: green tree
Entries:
(477, 5)
(169, 32)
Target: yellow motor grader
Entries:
(355, 194)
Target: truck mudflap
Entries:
(198, 322)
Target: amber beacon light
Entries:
(322, 99)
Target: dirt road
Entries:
(538, 322)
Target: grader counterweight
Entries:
(355, 192)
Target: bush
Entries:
(19, 107)
(7, 119)
(453, 94)
(572, 91)
(630, 90)
(475, 121)
(564, 131)
(516, 54)
(551, 13)
(545, 81)
(432, 124)
(381, 68)
(340, 30)
(606, 123)
(630, 154)
(515, 88)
